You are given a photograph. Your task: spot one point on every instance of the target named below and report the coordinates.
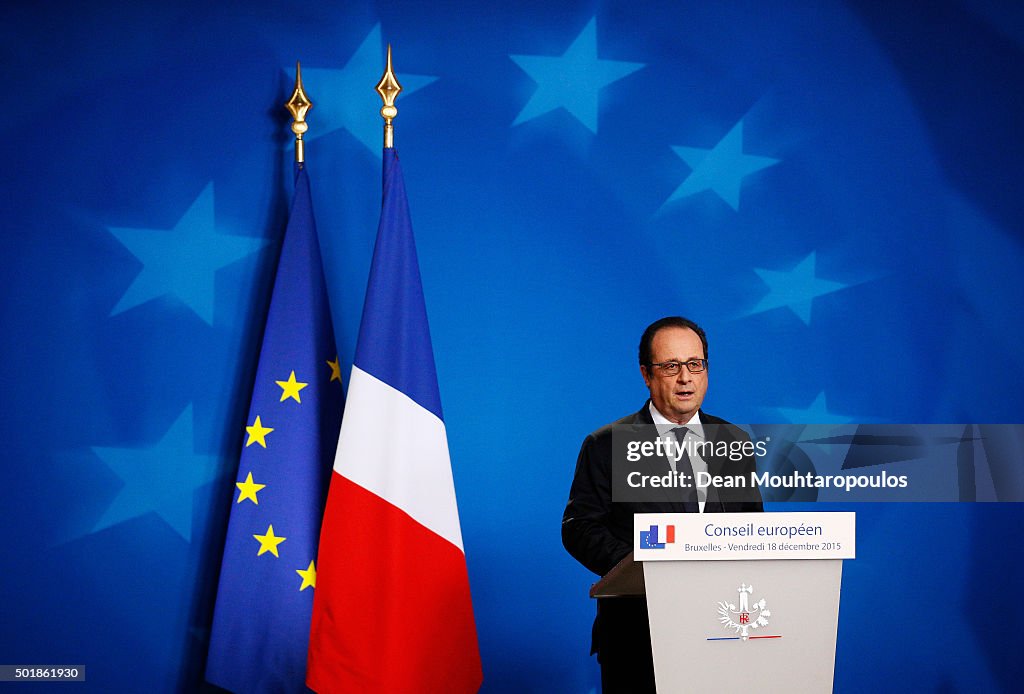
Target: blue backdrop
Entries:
(831, 188)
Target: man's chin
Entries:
(686, 409)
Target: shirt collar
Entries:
(664, 425)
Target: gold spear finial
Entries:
(299, 106)
(388, 88)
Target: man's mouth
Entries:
(684, 393)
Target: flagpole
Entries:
(299, 106)
(388, 88)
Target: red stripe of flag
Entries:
(393, 610)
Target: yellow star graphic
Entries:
(308, 577)
(257, 433)
(249, 489)
(269, 542)
(291, 388)
(335, 370)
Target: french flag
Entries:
(392, 610)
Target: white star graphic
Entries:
(184, 260)
(720, 169)
(572, 80)
(816, 413)
(795, 289)
(161, 478)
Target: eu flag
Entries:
(268, 574)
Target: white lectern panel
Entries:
(754, 612)
(697, 625)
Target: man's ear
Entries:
(646, 376)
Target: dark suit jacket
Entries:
(598, 532)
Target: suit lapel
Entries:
(644, 429)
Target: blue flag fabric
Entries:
(397, 351)
(264, 601)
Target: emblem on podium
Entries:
(741, 619)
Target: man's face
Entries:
(677, 397)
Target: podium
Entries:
(738, 602)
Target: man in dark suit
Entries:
(597, 526)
